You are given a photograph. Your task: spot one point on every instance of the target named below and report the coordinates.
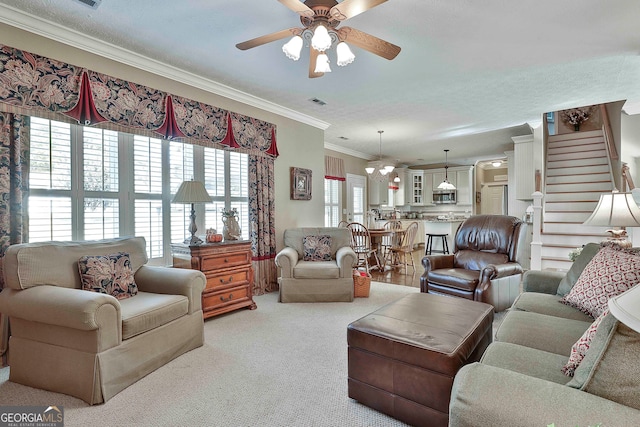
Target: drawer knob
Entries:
(226, 260)
(224, 282)
(223, 299)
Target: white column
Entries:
(536, 240)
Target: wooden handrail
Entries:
(627, 180)
(608, 135)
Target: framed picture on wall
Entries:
(300, 184)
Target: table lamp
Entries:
(616, 209)
(192, 192)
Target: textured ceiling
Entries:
(471, 74)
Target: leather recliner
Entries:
(484, 265)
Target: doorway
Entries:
(494, 199)
(356, 198)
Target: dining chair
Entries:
(401, 253)
(343, 223)
(361, 245)
(392, 239)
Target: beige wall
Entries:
(299, 144)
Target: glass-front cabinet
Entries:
(416, 185)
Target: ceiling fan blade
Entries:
(368, 42)
(350, 8)
(298, 7)
(258, 41)
(313, 57)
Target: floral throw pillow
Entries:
(108, 274)
(317, 248)
(579, 349)
(609, 273)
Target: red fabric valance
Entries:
(34, 85)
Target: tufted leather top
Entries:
(487, 239)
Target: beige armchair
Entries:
(320, 280)
(89, 344)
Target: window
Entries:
(332, 198)
(89, 183)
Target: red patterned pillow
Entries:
(609, 273)
(317, 248)
(108, 274)
(581, 346)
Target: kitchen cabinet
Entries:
(416, 186)
(419, 192)
(464, 186)
(378, 193)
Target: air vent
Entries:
(93, 4)
(318, 101)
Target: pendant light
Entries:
(446, 185)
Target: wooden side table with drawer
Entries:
(227, 266)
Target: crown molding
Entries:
(348, 151)
(53, 31)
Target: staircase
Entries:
(577, 172)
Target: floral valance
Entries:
(34, 85)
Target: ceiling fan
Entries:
(320, 19)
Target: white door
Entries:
(493, 200)
(356, 200)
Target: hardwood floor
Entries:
(399, 276)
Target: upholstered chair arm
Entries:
(494, 271)
(173, 281)
(346, 259)
(472, 404)
(66, 307)
(433, 262)
(286, 259)
(546, 282)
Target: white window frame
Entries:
(126, 193)
(328, 220)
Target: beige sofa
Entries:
(88, 344)
(316, 281)
(519, 380)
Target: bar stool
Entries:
(428, 246)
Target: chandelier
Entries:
(321, 40)
(446, 185)
(379, 170)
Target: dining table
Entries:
(377, 236)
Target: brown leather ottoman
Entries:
(403, 356)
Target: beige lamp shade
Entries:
(191, 192)
(626, 307)
(615, 209)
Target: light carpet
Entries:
(279, 365)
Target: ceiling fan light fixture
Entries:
(322, 64)
(293, 48)
(389, 168)
(369, 170)
(321, 39)
(345, 56)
